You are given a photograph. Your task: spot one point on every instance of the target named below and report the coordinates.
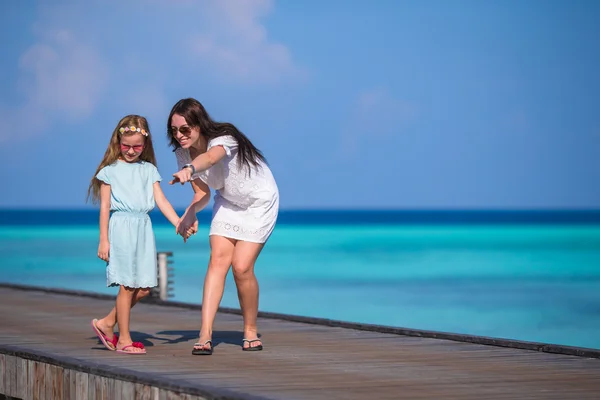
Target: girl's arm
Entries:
(104, 246)
(163, 204)
(201, 163)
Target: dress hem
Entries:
(117, 284)
(243, 239)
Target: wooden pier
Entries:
(49, 351)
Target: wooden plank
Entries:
(109, 389)
(66, 384)
(102, 388)
(91, 394)
(39, 376)
(127, 390)
(142, 392)
(116, 389)
(10, 378)
(2, 373)
(81, 385)
(22, 373)
(30, 379)
(97, 386)
(48, 381)
(73, 384)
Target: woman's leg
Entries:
(244, 258)
(221, 254)
(107, 324)
(124, 303)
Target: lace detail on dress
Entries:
(239, 187)
(228, 227)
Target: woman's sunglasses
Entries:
(185, 130)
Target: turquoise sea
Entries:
(531, 276)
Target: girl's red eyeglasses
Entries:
(137, 148)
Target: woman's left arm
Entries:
(164, 205)
(201, 163)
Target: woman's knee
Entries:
(243, 269)
(220, 256)
(219, 261)
(143, 292)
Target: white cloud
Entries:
(84, 56)
(237, 47)
(59, 79)
(62, 75)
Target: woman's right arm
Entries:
(104, 246)
(188, 224)
(201, 195)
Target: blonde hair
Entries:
(113, 152)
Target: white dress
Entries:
(247, 200)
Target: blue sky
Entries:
(356, 104)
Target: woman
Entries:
(217, 155)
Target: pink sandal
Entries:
(133, 345)
(108, 343)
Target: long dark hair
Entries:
(196, 116)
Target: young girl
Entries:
(127, 184)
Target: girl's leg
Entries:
(124, 301)
(221, 253)
(244, 258)
(107, 324)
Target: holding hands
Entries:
(187, 225)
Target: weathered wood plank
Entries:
(110, 389)
(117, 389)
(73, 384)
(57, 381)
(22, 372)
(127, 390)
(81, 385)
(2, 373)
(30, 379)
(48, 381)
(91, 395)
(39, 377)
(66, 384)
(10, 378)
(142, 392)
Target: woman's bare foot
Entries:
(251, 341)
(204, 343)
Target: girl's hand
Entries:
(188, 224)
(103, 250)
(182, 176)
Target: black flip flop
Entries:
(250, 348)
(203, 352)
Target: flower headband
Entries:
(133, 129)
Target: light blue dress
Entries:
(132, 253)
